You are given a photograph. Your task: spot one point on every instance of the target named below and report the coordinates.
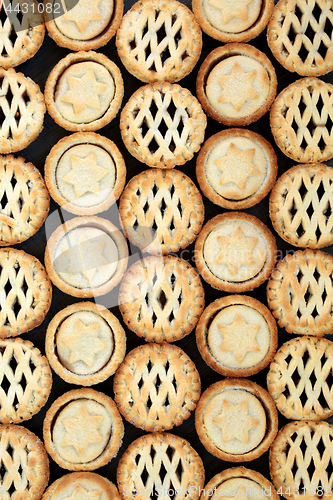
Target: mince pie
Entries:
(235, 252)
(161, 211)
(302, 120)
(300, 379)
(85, 343)
(236, 420)
(84, 91)
(85, 173)
(236, 84)
(163, 125)
(83, 430)
(161, 298)
(300, 206)
(237, 336)
(86, 256)
(236, 168)
(177, 466)
(26, 292)
(156, 387)
(299, 293)
(82, 486)
(159, 40)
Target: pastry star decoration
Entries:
(84, 343)
(236, 250)
(239, 337)
(237, 166)
(229, 9)
(82, 430)
(235, 421)
(85, 175)
(86, 11)
(83, 90)
(240, 495)
(80, 493)
(237, 87)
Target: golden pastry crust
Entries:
(90, 38)
(254, 479)
(156, 387)
(300, 379)
(298, 36)
(235, 252)
(236, 168)
(154, 108)
(236, 420)
(237, 336)
(299, 460)
(21, 123)
(79, 79)
(161, 298)
(25, 462)
(82, 430)
(220, 93)
(300, 208)
(85, 343)
(301, 118)
(299, 293)
(27, 292)
(27, 203)
(72, 181)
(161, 211)
(21, 36)
(220, 20)
(29, 377)
(81, 483)
(103, 256)
(171, 451)
(157, 55)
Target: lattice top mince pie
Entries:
(26, 380)
(26, 292)
(82, 486)
(302, 120)
(24, 463)
(24, 200)
(237, 336)
(85, 173)
(160, 462)
(236, 168)
(300, 206)
(300, 293)
(299, 36)
(235, 252)
(159, 40)
(156, 387)
(85, 25)
(84, 91)
(162, 125)
(236, 420)
(22, 110)
(21, 32)
(82, 430)
(300, 379)
(301, 460)
(85, 343)
(233, 21)
(236, 84)
(161, 211)
(161, 298)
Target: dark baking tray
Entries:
(38, 69)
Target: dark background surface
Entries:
(38, 69)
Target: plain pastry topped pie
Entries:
(236, 168)
(83, 430)
(82, 486)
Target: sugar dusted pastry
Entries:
(78, 485)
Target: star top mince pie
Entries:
(84, 91)
(82, 486)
